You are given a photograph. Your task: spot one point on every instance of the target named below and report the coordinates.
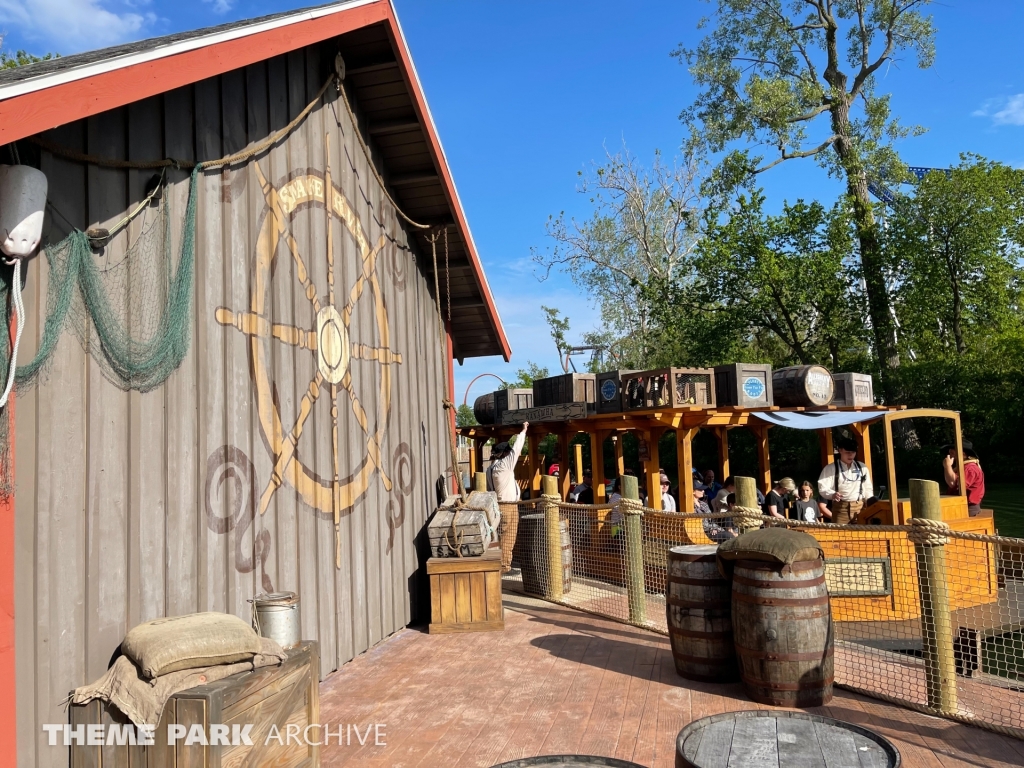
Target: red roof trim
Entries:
(46, 108)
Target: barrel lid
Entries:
(695, 550)
(276, 598)
(569, 761)
(786, 739)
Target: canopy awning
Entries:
(817, 419)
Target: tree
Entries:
(559, 327)
(956, 242)
(773, 70)
(644, 227)
(526, 376)
(464, 416)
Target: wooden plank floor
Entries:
(560, 681)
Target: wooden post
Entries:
(722, 434)
(684, 463)
(746, 496)
(651, 468)
(480, 481)
(828, 451)
(474, 464)
(620, 459)
(564, 478)
(936, 627)
(764, 466)
(636, 589)
(535, 470)
(860, 434)
(577, 455)
(597, 465)
(553, 538)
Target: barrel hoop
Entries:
(762, 565)
(810, 686)
(769, 656)
(676, 632)
(756, 600)
(691, 558)
(699, 582)
(707, 604)
(716, 662)
(815, 582)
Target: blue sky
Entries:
(527, 93)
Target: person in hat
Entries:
(501, 478)
(776, 503)
(973, 476)
(845, 485)
(668, 501)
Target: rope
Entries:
(19, 308)
(631, 506)
(372, 166)
(448, 404)
(928, 533)
(747, 517)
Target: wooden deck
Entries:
(560, 681)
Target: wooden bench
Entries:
(465, 593)
(283, 695)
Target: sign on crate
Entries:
(561, 412)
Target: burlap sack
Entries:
(774, 545)
(186, 642)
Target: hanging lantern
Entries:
(22, 207)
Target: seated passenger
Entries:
(776, 503)
(709, 481)
(713, 528)
(668, 502)
(806, 506)
(720, 501)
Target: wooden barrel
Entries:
(532, 553)
(802, 386)
(782, 627)
(698, 615)
(483, 409)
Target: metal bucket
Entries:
(276, 616)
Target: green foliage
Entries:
(464, 416)
(798, 77)
(526, 376)
(956, 246)
(644, 226)
(559, 328)
(21, 58)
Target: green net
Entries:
(132, 312)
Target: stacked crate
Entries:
(567, 388)
(668, 388)
(744, 385)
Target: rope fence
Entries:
(925, 616)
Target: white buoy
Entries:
(22, 207)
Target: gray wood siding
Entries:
(131, 506)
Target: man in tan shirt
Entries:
(501, 478)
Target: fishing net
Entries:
(131, 312)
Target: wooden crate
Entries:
(609, 391)
(746, 385)
(283, 695)
(853, 389)
(567, 388)
(511, 400)
(465, 593)
(669, 388)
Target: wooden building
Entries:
(300, 443)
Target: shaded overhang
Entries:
(380, 78)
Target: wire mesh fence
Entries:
(929, 618)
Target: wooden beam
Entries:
(365, 70)
(620, 460)
(577, 458)
(406, 179)
(764, 465)
(564, 479)
(535, 469)
(828, 452)
(389, 127)
(862, 436)
(722, 433)
(597, 465)
(651, 468)
(684, 462)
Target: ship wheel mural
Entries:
(332, 347)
